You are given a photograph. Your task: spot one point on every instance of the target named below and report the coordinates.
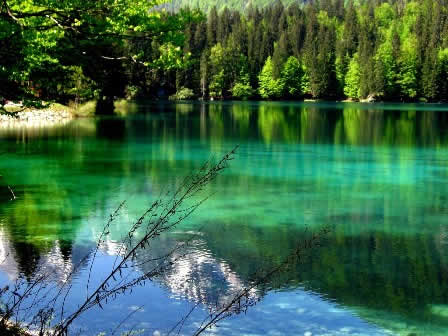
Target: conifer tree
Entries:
(443, 75)
(212, 27)
(280, 55)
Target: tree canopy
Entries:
(76, 50)
(54, 48)
(392, 50)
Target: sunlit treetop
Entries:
(31, 31)
(117, 17)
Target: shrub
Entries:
(183, 94)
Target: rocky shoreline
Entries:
(35, 118)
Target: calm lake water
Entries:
(376, 174)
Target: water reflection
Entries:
(198, 276)
(376, 173)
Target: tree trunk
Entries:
(105, 105)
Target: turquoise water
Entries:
(376, 174)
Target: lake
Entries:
(375, 174)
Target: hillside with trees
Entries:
(240, 5)
(374, 50)
(330, 49)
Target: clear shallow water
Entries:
(377, 174)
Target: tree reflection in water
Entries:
(377, 173)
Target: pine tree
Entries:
(443, 75)
(280, 55)
(223, 28)
(212, 26)
(200, 38)
(366, 51)
(430, 74)
(204, 71)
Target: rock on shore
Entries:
(36, 118)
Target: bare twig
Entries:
(244, 300)
(161, 217)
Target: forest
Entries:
(240, 5)
(374, 49)
(327, 49)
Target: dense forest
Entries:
(376, 49)
(327, 49)
(240, 5)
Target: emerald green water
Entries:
(377, 174)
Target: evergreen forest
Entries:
(376, 50)
(207, 5)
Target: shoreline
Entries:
(51, 116)
(59, 115)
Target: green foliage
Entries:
(384, 15)
(280, 55)
(227, 64)
(305, 82)
(443, 74)
(408, 70)
(80, 87)
(44, 42)
(353, 79)
(183, 94)
(85, 109)
(217, 85)
(269, 87)
(386, 71)
(276, 51)
(12, 330)
(208, 5)
(292, 77)
(242, 88)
